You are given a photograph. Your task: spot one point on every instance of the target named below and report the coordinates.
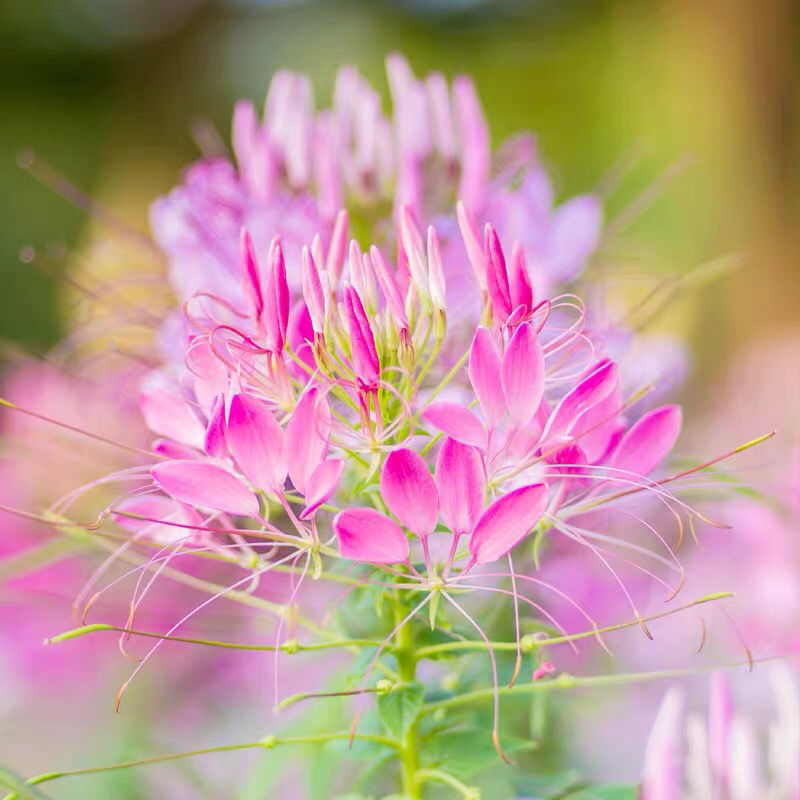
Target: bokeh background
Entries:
(695, 104)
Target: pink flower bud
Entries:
(435, 271)
(276, 303)
(362, 341)
(337, 249)
(312, 292)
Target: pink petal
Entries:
(461, 483)
(204, 485)
(457, 422)
(337, 249)
(600, 425)
(276, 299)
(506, 522)
(472, 244)
(367, 535)
(649, 440)
(720, 718)
(389, 287)
(436, 270)
(307, 436)
(484, 372)
(566, 457)
(301, 333)
(414, 246)
(251, 282)
(215, 443)
(473, 134)
(408, 489)
(522, 374)
(662, 775)
(496, 275)
(321, 485)
(521, 289)
(173, 450)
(362, 341)
(158, 507)
(312, 291)
(154, 506)
(256, 441)
(209, 373)
(600, 382)
(169, 415)
(574, 234)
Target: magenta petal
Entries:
(169, 415)
(256, 441)
(276, 299)
(307, 436)
(408, 489)
(367, 535)
(596, 386)
(521, 289)
(600, 425)
(522, 374)
(251, 282)
(457, 422)
(362, 341)
(204, 485)
(496, 275)
(461, 483)
(215, 444)
(174, 450)
(312, 291)
(649, 440)
(484, 370)
(506, 522)
(321, 485)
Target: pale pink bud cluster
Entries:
(688, 757)
(297, 167)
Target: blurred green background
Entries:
(107, 91)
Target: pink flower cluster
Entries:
(297, 167)
(329, 390)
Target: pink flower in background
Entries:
(297, 167)
(688, 758)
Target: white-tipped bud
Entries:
(414, 246)
(435, 270)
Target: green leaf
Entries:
(467, 752)
(400, 708)
(611, 792)
(552, 787)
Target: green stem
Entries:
(467, 792)
(566, 681)
(407, 669)
(267, 743)
(528, 643)
(287, 647)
